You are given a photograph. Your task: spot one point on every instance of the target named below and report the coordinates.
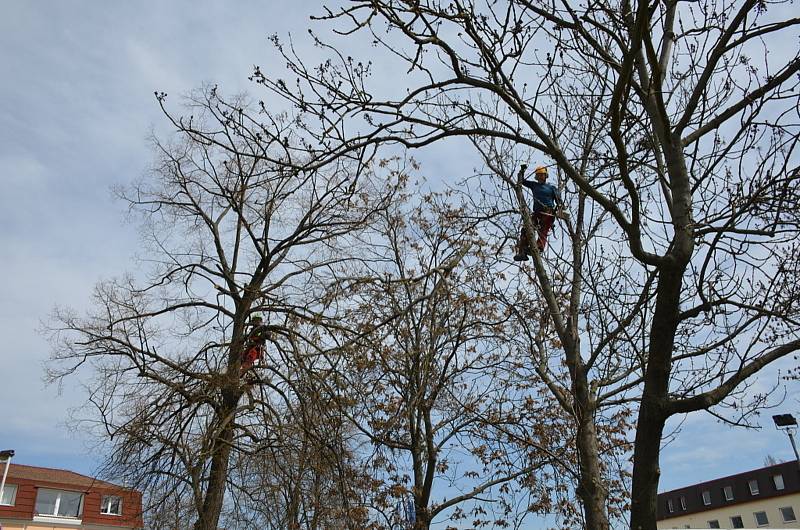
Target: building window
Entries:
(683, 503)
(707, 498)
(111, 505)
(736, 522)
(728, 491)
(788, 514)
(761, 518)
(778, 481)
(59, 503)
(9, 495)
(714, 523)
(670, 507)
(753, 487)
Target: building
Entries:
(40, 498)
(765, 497)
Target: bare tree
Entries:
(311, 480)
(676, 126)
(593, 395)
(429, 391)
(234, 223)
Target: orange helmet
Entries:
(541, 170)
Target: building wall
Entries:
(22, 525)
(19, 516)
(23, 503)
(27, 525)
(745, 510)
(131, 508)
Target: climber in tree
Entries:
(545, 201)
(254, 345)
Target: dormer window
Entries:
(777, 480)
(753, 484)
(670, 506)
(728, 492)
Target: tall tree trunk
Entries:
(652, 410)
(646, 470)
(208, 518)
(422, 518)
(591, 488)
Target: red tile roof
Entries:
(59, 476)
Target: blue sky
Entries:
(76, 108)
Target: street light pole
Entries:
(791, 439)
(5, 455)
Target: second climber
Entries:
(253, 350)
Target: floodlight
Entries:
(784, 420)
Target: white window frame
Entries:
(777, 481)
(706, 498)
(715, 525)
(683, 503)
(6, 488)
(740, 519)
(54, 515)
(728, 490)
(755, 518)
(670, 506)
(753, 485)
(105, 505)
(783, 515)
